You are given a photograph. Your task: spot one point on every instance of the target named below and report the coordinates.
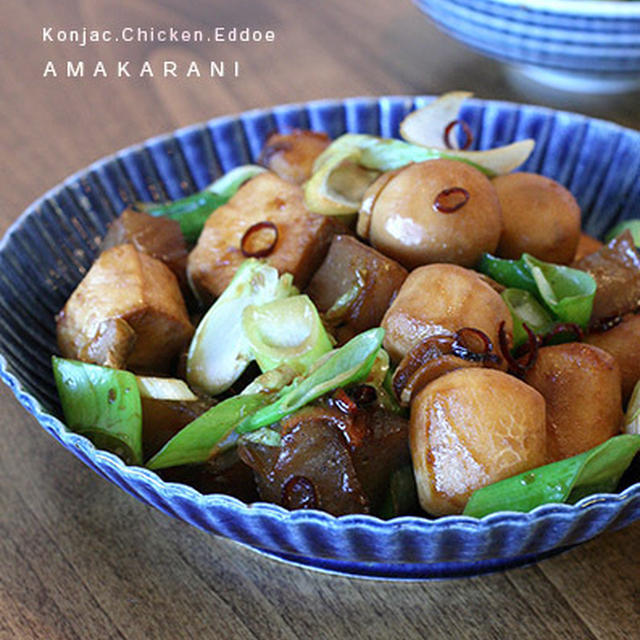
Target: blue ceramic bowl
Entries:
(581, 45)
(51, 246)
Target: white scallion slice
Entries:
(426, 126)
(632, 416)
(219, 351)
(337, 187)
(286, 332)
(165, 389)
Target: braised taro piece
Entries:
(539, 216)
(441, 299)
(616, 270)
(470, 428)
(582, 389)
(267, 218)
(329, 458)
(622, 341)
(158, 237)
(434, 211)
(354, 286)
(291, 155)
(127, 312)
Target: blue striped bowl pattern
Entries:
(50, 247)
(592, 36)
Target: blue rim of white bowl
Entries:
(144, 480)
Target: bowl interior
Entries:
(49, 249)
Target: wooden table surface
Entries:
(81, 559)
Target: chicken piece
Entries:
(291, 155)
(470, 428)
(623, 342)
(581, 386)
(441, 299)
(302, 241)
(132, 288)
(368, 279)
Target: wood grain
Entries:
(79, 557)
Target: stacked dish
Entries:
(579, 45)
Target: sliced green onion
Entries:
(426, 126)
(208, 434)
(567, 293)
(193, 211)
(402, 495)
(632, 416)
(230, 182)
(265, 436)
(596, 471)
(287, 331)
(172, 389)
(102, 404)
(349, 364)
(220, 351)
(525, 308)
(337, 187)
(632, 225)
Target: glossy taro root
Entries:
(581, 386)
(441, 299)
(434, 211)
(470, 428)
(539, 217)
(622, 341)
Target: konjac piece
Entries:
(157, 236)
(129, 287)
(291, 155)
(582, 388)
(369, 279)
(616, 270)
(470, 428)
(312, 468)
(586, 246)
(302, 237)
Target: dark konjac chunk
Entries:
(162, 419)
(353, 267)
(339, 461)
(225, 473)
(312, 468)
(384, 449)
(158, 237)
(616, 270)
